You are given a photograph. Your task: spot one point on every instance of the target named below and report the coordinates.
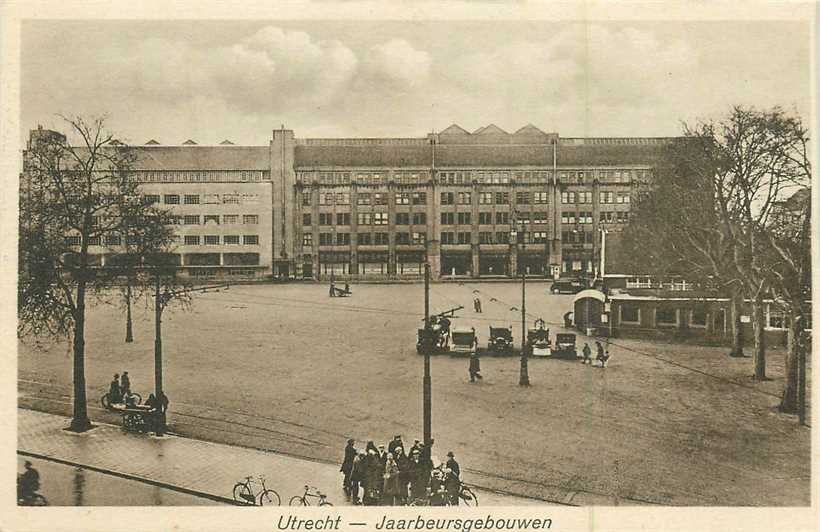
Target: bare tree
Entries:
(72, 198)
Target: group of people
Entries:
(392, 477)
(602, 355)
(119, 391)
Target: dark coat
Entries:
(453, 466)
(392, 484)
(373, 472)
(114, 392)
(357, 471)
(393, 445)
(125, 384)
(347, 463)
(475, 365)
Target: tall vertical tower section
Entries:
(283, 181)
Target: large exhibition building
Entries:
(486, 203)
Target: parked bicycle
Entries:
(243, 492)
(302, 500)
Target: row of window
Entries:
(210, 199)
(365, 239)
(469, 176)
(214, 240)
(586, 197)
(585, 217)
(227, 219)
(174, 176)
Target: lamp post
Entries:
(427, 390)
(524, 376)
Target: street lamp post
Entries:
(427, 389)
(524, 376)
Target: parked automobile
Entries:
(567, 286)
(565, 346)
(501, 340)
(463, 340)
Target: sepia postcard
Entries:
(452, 266)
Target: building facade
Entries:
(486, 203)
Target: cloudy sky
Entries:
(238, 80)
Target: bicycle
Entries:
(243, 492)
(302, 500)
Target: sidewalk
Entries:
(194, 466)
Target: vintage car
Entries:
(568, 286)
(501, 340)
(565, 346)
(463, 340)
(538, 338)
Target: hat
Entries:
(450, 453)
(350, 441)
(397, 436)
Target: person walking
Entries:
(125, 385)
(347, 466)
(114, 391)
(392, 484)
(602, 355)
(475, 367)
(587, 354)
(356, 477)
(28, 482)
(332, 289)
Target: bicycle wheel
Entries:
(325, 503)
(242, 493)
(296, 500)
(105, 401)
(269, 497)
(468, 496)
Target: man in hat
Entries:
(475, 367)
(452, 482)
(394, 443)
(347, 465)
(125, 385)
(29, 482)
(114, 391)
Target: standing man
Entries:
(587, 354)
(347, 466)
(394, 444)
(125, 385)
(452, 482)
(114, 391)
(29, 482)
(602, 356)
(475, 367)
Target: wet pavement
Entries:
(64, 485)
(191, 465)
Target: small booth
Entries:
(589, 307)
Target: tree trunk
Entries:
(788, 402)
(759, 323)
(80, 421)
(129, 327)
(737, 333)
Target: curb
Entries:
(127, 476)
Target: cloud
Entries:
(397, 63)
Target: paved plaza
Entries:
(285, 368)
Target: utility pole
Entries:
(427, 385)
(524, 378)
(158, 305)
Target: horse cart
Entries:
(136, 417)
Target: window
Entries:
(485, 198)
(343, 239)
(380, 198)
(622, 197)
(522, 198)
(191, 240)
(502, 237)
(213, 240)
(485, 218)
(365, 239)
(448, 238)
(419, 218)
(447, 198)
(307, 198)
(230, 240)
(585, 217)
(234, 219)
(210, 218)
(541, 197)
(448, 218)
(622, 217)
(464, 218)
(343, 198)
(465, 198)
(382, 239)
(606, 217)
(171, 199)
(307, 239)
(402, 218)
(567, 217)
(585, 197)
(419, 198)
(94, 240)
(567, 197)
(250, 219)
(402, 198)
(419, 238)
(485, 237)
(190, 219)
(666, 316)
(327, 198)
(539, 218)
(697, 317)
(402, 238)
(502, 218)
(502, 198)
(363, 198)
(113, 240)
(306, 219)
(524, 217)
(342, 218)
(191, 199)
(630, 314)
(231, 199)
(325, 218)
(150, 199)
(325, 239)
(539, 237)
(464, 238)
(363, 218)
(606, 197)
(379, 218)
(775, 318)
